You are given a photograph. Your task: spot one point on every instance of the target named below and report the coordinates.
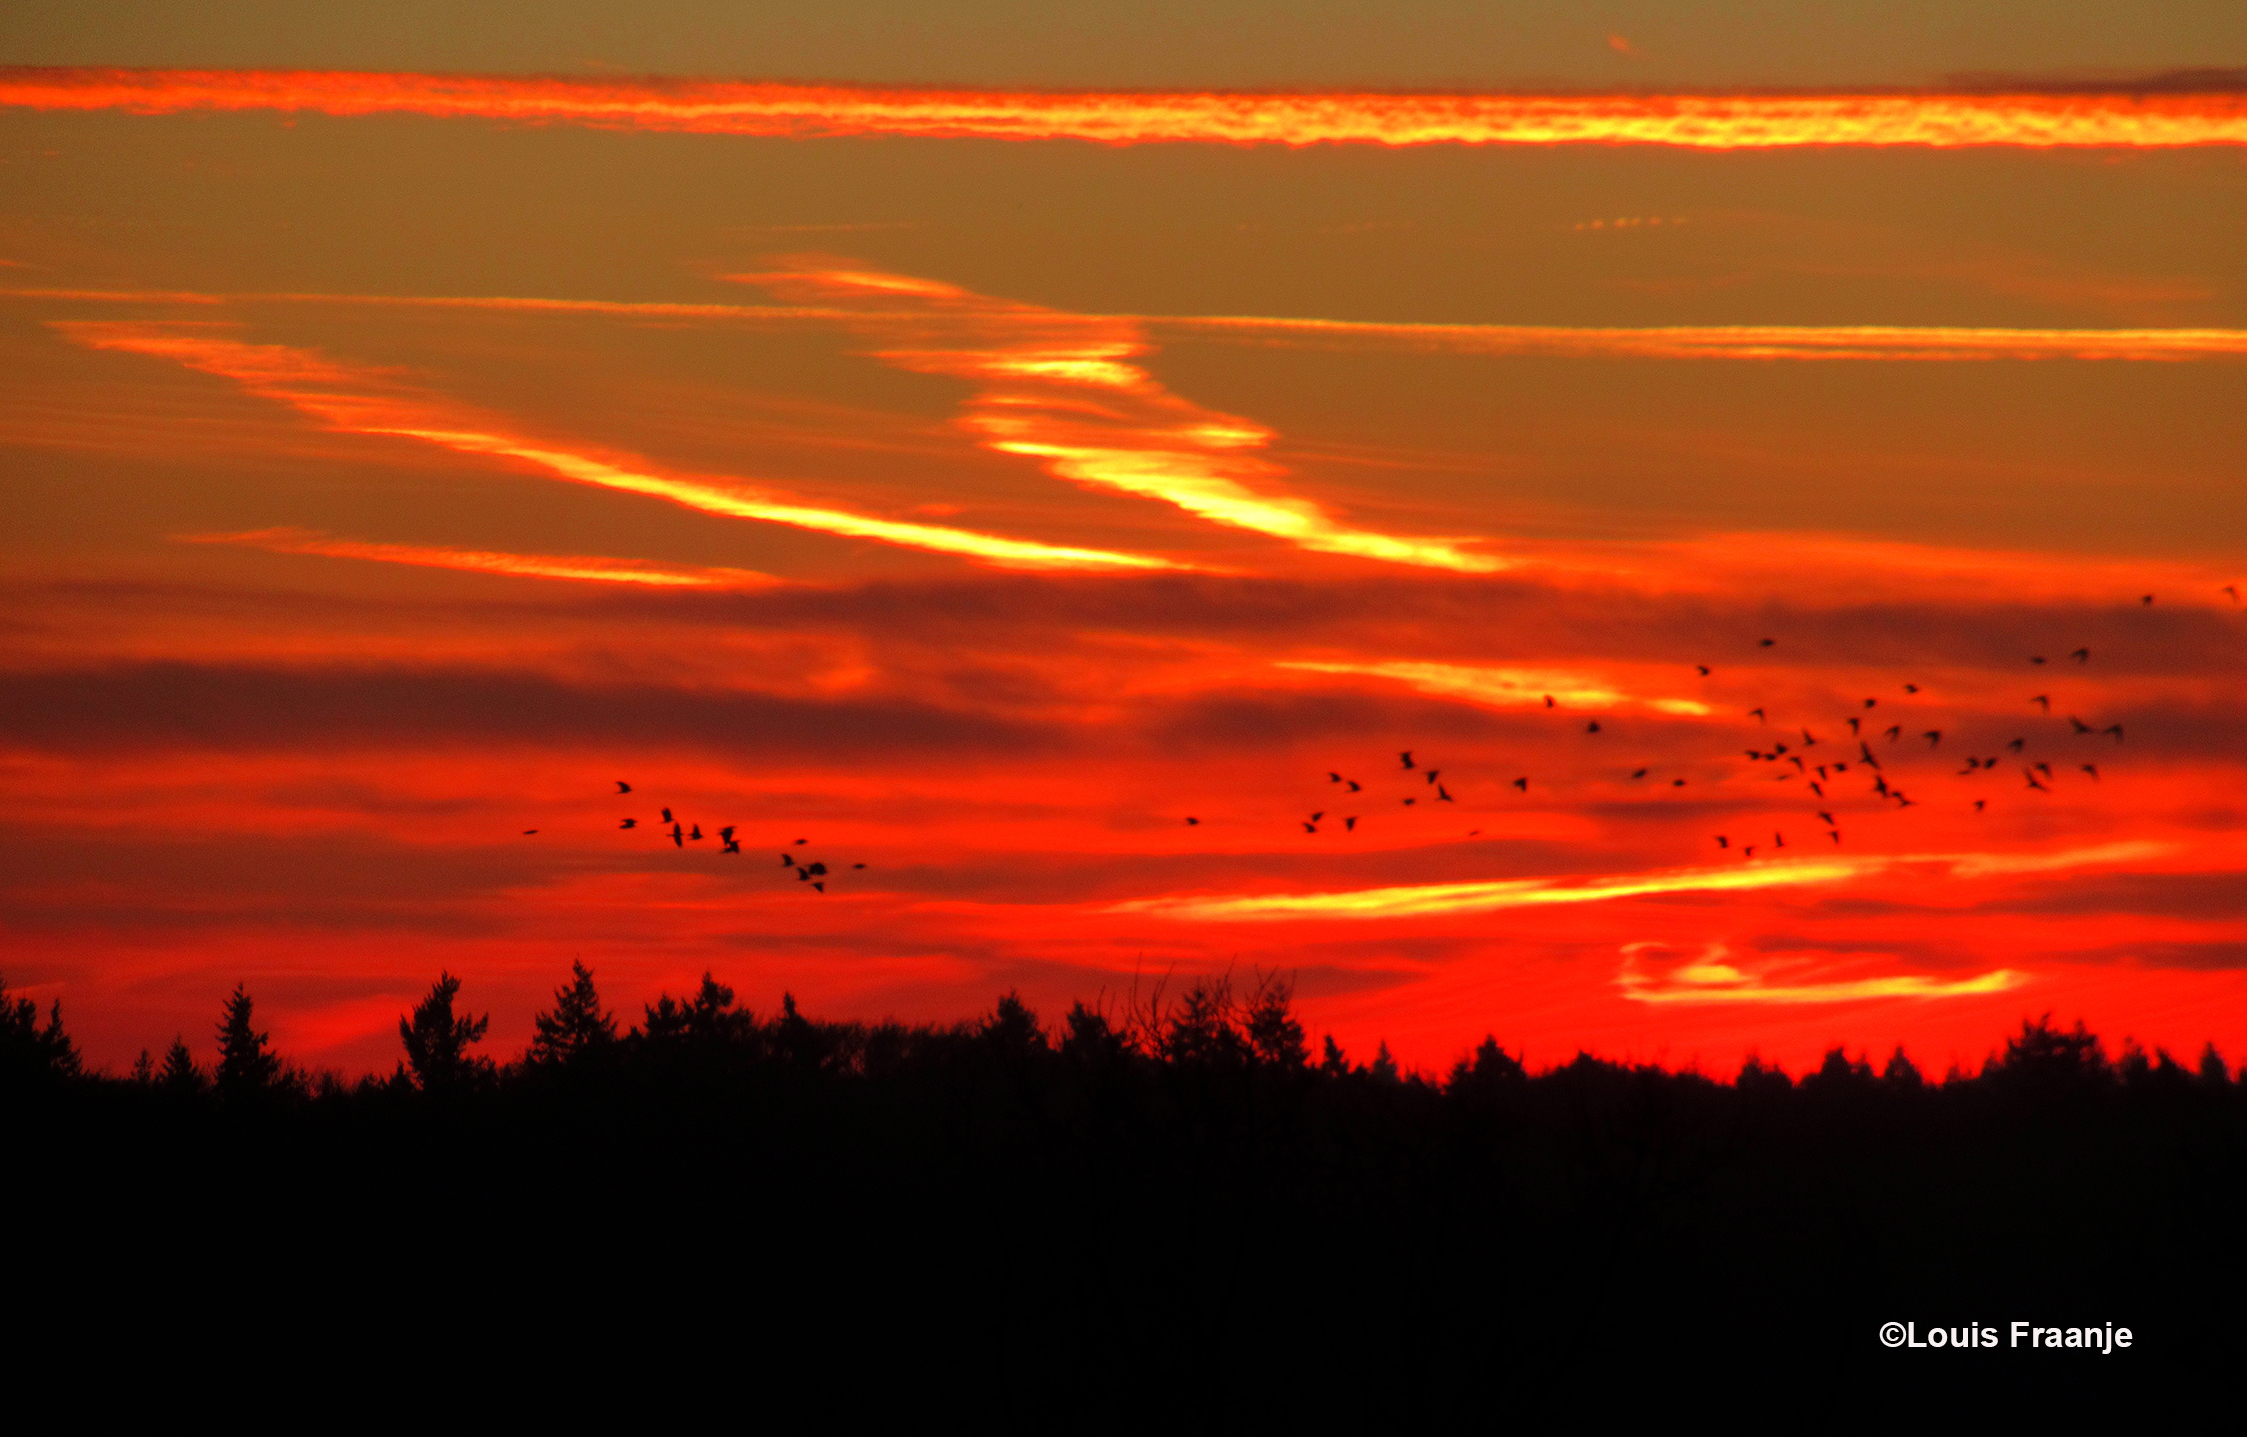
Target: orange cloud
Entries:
(368, 401)
(1060, 388)
(1123, 118)
(1713, 978)
(1739, 341)
(579, 567)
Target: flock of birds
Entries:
(1822, 775)
(807, 869)
(1823, 766)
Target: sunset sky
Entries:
(1064, 459)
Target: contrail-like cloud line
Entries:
(583, 568)
(1745, 121)
(1926, 343)
(360, 402)
(1423, 900)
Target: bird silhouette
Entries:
(787, 860)
(1310, 828)
(1978, 803)
(1723, 842)
(1349, 825)
(678, 840)
(2030, 775)
(2233, 590)
(1674, 783)
(1638, 773)
(1319, 815)
(1817, 788)
(2081, 656)
(1748, 851)
(1758, 716)
(1523, 784)
(623, 787)
(858, 865)
(1835, 835)
(1934, 737)
(667, 815)
(1592, 727)
(1405, 758)
(1704, 668)
(2115, 729)
(696, 833)
(1854, 730)
(733, 845)
(1911, 688)
(1808, 738)
(1549, 702)
(1354, 786)
(528, 832)
(2036, 658)
(726, 833)
(1765, 643)
(1442, 796)
(1191, 821)
(629, 823)
(1333, 777)
(1893, 732)
(1827, 817)
(2043, 701)
(2079, 725)
(1872, 703)
(2014, 744)
(1778, 840)
(2089, 768)
(2145, 598)
(1432, 774)
(802, 841)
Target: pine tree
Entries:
(1334, 1064)
(179, 1073)
(1274, 1036)
(437, 1042)
(30, 1051)
(245, 1066)
(577, 1029)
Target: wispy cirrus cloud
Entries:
(1063, 389)
(1423, 900)
(1502, 687)
(1701, 121)
(1714, 976)
(370, 401)
(578, 567)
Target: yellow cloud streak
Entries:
(1424, 900)
(1501, 688)
(1739, 988)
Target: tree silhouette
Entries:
(179, 1073)
(1200, 1032)
(1012, 1030)
(245, 1066)
(1334, 1064)
(1274, 1036)
(437, 1043)
(1901, 1071)
(28, 1050)
(577, 1029)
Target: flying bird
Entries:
(858, 865)
(1723, 842)
(1592, 727)
(1808, 738)
(1704, 668)
(1443, 796)
(667, 815)
(1978, 803)
(629, 823)
(1674, 783)
(1778, 840)
(1758, 715)
(1406, 758)
(787, 860)
(1871, 703)
(1854, 730)
(1765, 643)
(1319, 815)
(1934, 737)
(2043, 701)
(726, 833)
(1827, 817)
(1353, 783)
(733, 845)
(1523, 784)
(1817, 788)
(677, 839)
(1310, 828)
(2115, 729)
(1911, 688)
(1349, 825)
(802, 841)
(696, 833)
(2233, 590)
(2030, 775)
(2014, 744)
(1333, 777)
(1192, 821)
(2089, 768)
(2145, 598)
(1549, 702)
(2081, 656)
(1432, 774)
(2036, 658)
(623, 787)
(528, 832)
(1893, 732)
(820, 886)
(2079, 725)
(1638, 773)
(1835, 835)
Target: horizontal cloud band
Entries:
(790, 110)
(1443, 898)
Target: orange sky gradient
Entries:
(1814, 618)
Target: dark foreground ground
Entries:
(1168, 1217)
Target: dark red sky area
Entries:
(381, 487)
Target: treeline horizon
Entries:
(1209, 1024)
